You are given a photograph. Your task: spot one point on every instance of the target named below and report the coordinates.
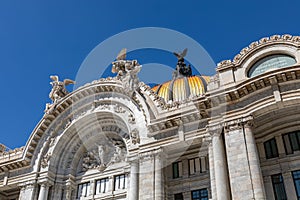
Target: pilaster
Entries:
(27, 191)
(243, 160)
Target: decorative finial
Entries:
(181, 68)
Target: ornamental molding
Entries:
(151, 154)
(261, 82)
(237, 124)
(275, 39)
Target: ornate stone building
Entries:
(235, 135)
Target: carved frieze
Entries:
(102, 156)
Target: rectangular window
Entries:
(178, 196)
(120, 182)
(271, 148)
(278, 187)
(177, 169)
(197, 165)
(291, 142)
(200, 194)
(101, 186)
(296, 177)
(83, 190)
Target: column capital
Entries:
(215, 129)
(151, 154)
(27, 184)
(238, 123)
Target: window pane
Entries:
(274, 148)
(296, 177)
(120, 182)
(278, 186)
(79, 191)
(200, 194)
(101, 185)
(175, 170)
(178, 196)
(271, 148)
(294, 141)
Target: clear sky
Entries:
(41, 38)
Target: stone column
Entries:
(134, 180)
(289, 185)
(27, 190)
(70, 187)
(159, 183)
(254, 163)
(220, 168)
(43, 194)
(57, 191)
(212, 172)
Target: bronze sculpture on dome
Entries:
(181, 68)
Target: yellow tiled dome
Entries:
(182, 88)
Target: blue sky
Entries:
(41, 38)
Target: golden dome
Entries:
(182, 88)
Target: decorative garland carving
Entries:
(45, 160)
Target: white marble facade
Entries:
(104, 141)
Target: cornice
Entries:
(245, 52)
(262, 81)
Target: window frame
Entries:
(273, 148)
(119, 178)
(178, 196)
(87, 191)
(200, 195)
(281, 183)
(296, 179)
(289, 143)
(178, 172)
(102, 180)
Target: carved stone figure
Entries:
(135, 137)
(59, 88)
(127, 71)
(103, 155)
(119, 155)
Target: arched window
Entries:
(269, 63)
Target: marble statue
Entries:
(127, 71)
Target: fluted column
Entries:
(220, 168)
(27, 191)
(254, 163)
(158, 178)
(134, 180)
(212, 172)
(43, 195)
